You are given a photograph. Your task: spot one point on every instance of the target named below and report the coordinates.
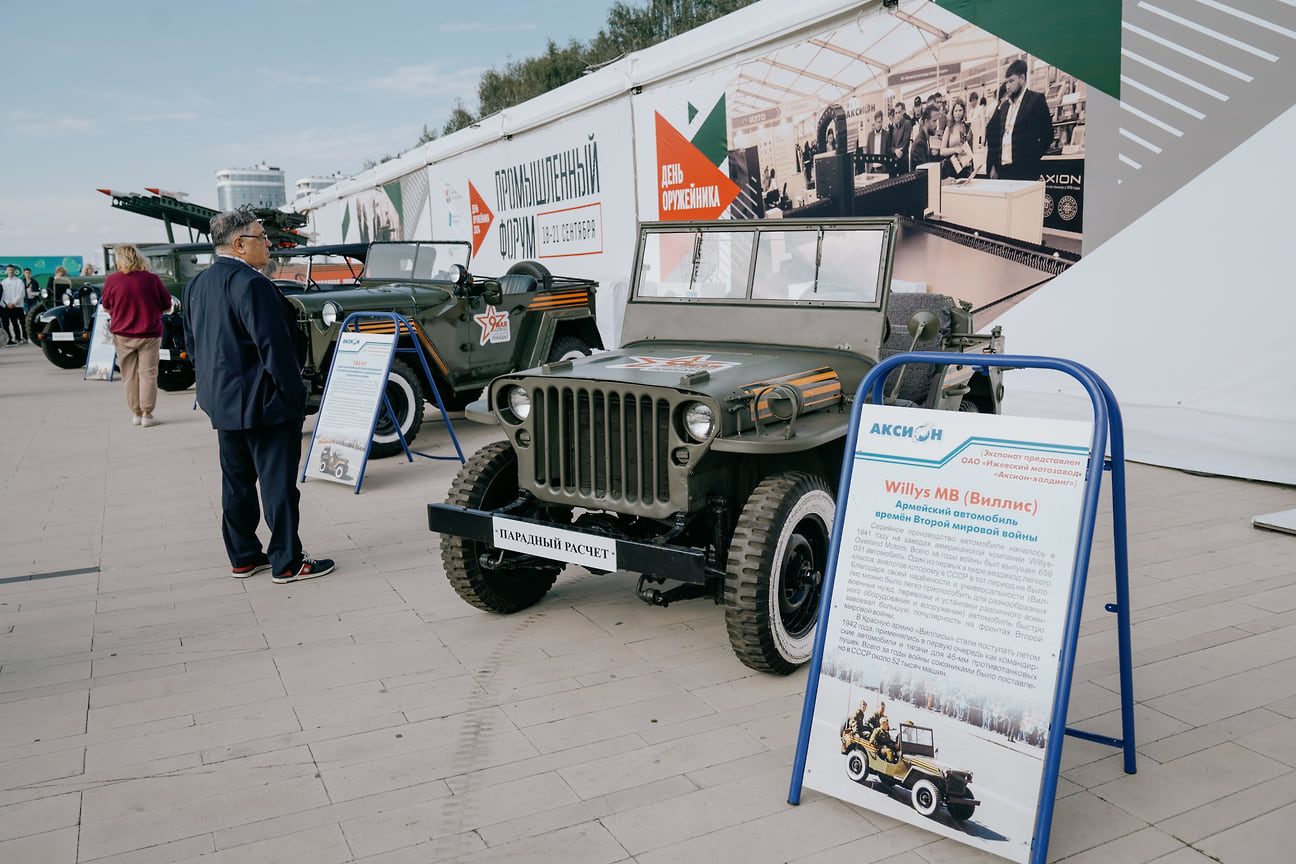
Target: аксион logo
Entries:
(925, 432)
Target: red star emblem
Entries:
(494, 324)
(695, 363)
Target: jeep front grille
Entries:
(956, 783)
(594, 445)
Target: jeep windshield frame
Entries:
(917, 740)
(415, 262)
(782, 262)
(815, 284)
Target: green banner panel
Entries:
(1082, 39)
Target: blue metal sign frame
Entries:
(400, 324)
(1107, 429)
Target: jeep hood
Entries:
(713, 369)
(401, 298)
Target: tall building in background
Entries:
(259, 186)
(307, 185)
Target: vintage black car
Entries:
(468, 330)
(62, 324)
(706, 450)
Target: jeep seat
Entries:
(517, 283)
(919, 376)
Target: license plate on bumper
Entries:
(558, 544)
(543, 540)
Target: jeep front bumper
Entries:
(598, 552)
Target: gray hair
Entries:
(228, 225)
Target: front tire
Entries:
(960, 812)
(405, 394)
(926, 798)
(33, 326)
(775, 572)
(487, 481)
(65, 355)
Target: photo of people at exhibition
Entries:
(818, 125)
(830, 125)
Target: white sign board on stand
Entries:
(949, 605)
(102, 354)
(349, 410)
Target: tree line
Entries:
(630, 27)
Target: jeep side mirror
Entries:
(492, 293)
(922, 325)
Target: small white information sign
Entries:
(597, 553)
(102, 354)
(948, 607)
(352, 400)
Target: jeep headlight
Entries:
(45, 294)
(699, 420)
(94, 298)
(67, 299)
(331, 313)
(518, 401)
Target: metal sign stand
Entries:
(1106, 429)
(399, 325)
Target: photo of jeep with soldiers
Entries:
(904, 758)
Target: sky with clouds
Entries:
(146, 93)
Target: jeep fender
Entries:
(915, 774)
(578, 323)
(479, 411)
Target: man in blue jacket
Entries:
(250, 385)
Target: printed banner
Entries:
(102, 354)
(946, 619)
(561, 195)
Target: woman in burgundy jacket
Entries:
(135, 300)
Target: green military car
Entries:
(706, 450)
(468, 330)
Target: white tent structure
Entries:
(1176, 312)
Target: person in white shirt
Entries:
(11, 299)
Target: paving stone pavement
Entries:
(153, 709)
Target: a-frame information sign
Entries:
(349, 410)
(942, 666)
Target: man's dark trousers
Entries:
(272, 454)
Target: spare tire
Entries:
(535, 270)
